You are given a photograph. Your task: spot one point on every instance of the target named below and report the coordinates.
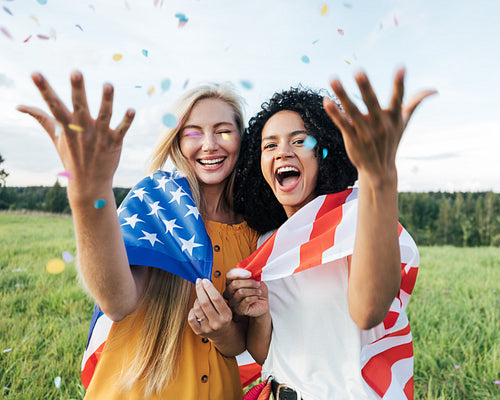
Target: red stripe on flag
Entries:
(409, 389)
(408, 279)
(258, 259)
(90, 366)
(400, 229)
(323, 232)
(377, 371)
(249, 373)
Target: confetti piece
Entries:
(35, 19)
(117, 57)
(55, 266)
(395, 21)
(144, 52)
(316, 41)
(225, 136)
(79, 27)
(5, 32)
(99, 203)
(457, 367)
(324, 9)
(28, 38)
(347, 5)
(151, 90)
(182, 19)
(9, 350)
(7, 10)
(170, 120)
(76, 128)
(67, 256)
(165, 84)
(185, 84)
(348, 62)
(246, 84)
(57, 381)
(340, 31)
(43, 37)
(325, 153)
(305, 59)
(42, 2)
(66, 174)
(138, 86)
(309, 142)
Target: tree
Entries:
(56, 200)
(3, 173)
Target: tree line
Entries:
(432, 218)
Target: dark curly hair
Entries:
(253, 197)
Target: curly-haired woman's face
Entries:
(210, 141)
(288, 167)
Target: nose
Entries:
(283, 151)
(209, 142)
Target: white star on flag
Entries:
(161, 183)
(192, 210)
(176, 196)
(132, 221)
(151, 237)
(120, 209)
(139, 193)
(170, 225)
(155, 207)
(189, 245)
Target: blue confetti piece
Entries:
(42, 2)
(138, 86)
(79, 27)
(305, 59)
(316, 41)
(165, 84)
(170, 121)
(181, 17)
(246, 84)
(325, 153)
(99, 203)
(309, 143)
(8, 11)
(144, 52)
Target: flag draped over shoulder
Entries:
(323, 231)
(161, 228)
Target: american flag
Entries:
(323, 231)
(161, 228)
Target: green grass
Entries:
(453, 313)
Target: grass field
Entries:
(44, 319)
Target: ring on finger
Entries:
(200, 319)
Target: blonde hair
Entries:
(167, 298)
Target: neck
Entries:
(214, 207)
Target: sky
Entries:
(262, 46)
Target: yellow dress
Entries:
(204, 373)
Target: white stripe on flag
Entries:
(403, 370)
(98, 337)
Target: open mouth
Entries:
(214, 162)
(287, 176)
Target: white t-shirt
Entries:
(316, 347)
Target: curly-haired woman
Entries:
(335, 330)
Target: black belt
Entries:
(284, 392)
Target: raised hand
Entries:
(372, 139)
(245, 296)
(89, 150)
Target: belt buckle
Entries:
(285, 392)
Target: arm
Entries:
(371, 142)
(248, 297)
(90, 151)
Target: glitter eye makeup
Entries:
(195, 134)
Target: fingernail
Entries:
(37, 77)
(198, 281)
(205, 281)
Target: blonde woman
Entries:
(151, 353)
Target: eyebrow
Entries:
(217, 125)
(291, 134)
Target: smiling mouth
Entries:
(287, 176)
(211, 163)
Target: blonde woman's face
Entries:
(210, 141)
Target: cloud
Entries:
(6, 81)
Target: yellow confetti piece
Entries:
(348, 62)
(55, 266)
(225, 136)
(324, 9)
(117, 57)
(151, 90)
(74, 127)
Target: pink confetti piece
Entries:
(43, 37)
(395, 21)
(65, 174)
(28, 38)
(6, 32)
(340, 31)
(457, 367)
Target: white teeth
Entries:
(212, 162)
(286, 169)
